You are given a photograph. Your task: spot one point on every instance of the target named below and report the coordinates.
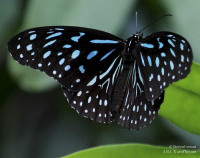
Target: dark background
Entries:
(35, 120)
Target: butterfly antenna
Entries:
(155, 21)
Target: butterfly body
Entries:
(102, 76)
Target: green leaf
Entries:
(136, 150)
(181, 104)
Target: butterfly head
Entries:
(137, 36)
(131, 44)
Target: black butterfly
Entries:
(103, 76)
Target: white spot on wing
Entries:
(92, 81)
(151, 77)
(21, 55)
(158, 77)
(89, 99)
(54, 72)
(39, 65)
(79, 93)
(18, 46)
(134, 108)
(142, 59)
(67, 67)
(108, 70)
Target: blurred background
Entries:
(35, 119)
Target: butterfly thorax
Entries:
(132, 47)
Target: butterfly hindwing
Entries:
(94, 100)
(164, 58)
(136, 110)
(71, 55)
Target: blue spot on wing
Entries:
(149, 61)
(33, 36)
(103, 41)
(75, 54)
(49, 43)
(76, 38)
(105, 56)
(160, 43)
(146, 45)
(157, 62)
(81, 68)
(172, 65)
(29, 47)
(54, 35)
(62, 61)
(67, 46)
(46, 54)
(142, 59)
(92, 54)
(172, 52)
(170, 42)
(163, 54)
(67, 67)
(181, 46)
(182, 58)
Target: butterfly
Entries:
(102, 76)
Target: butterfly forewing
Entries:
(164, 58)
(71, 55)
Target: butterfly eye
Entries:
(104, 77)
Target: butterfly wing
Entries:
(85, 62)
(71, 55)
(94, 100)
(164, 58)
(136, 110)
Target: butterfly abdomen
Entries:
(119, 91)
